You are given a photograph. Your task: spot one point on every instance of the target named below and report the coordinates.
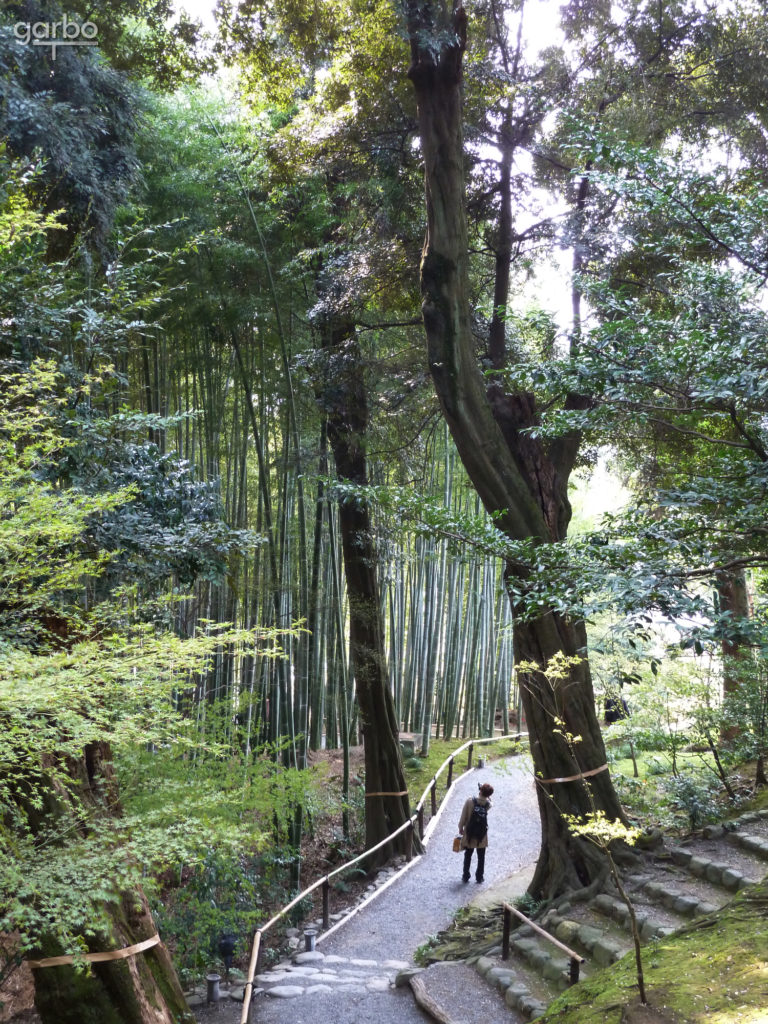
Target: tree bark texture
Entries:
(519, 479)
(733, 598)
(343, 397)
(565, 863)
(140, 989)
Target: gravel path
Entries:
(419, 903)
(425, 898)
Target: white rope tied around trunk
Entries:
(97, 958)
(575, 778)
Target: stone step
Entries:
(534, 975)
(675, 897)
(309, 973)
(663, 889)
(749, 818)
(529, 999)
(650, 925)
(755, 844)
(544, 958)
(730, 858)
(749, 832)
(448, 991)
(598, 944)
(718, 872)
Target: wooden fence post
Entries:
(469, 759)
(326, 905)
(573, 975)
(433, 794)
(505, 934)
(450, 773)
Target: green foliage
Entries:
(20, 220)
(528, 904)
(71, 682)
(76, 111)
(421, 953)
(41, 524)
(602, 831)
(223, 894)
(210, 834)
(172, 525)
(695, 794)
(745, 706)
(319, 182)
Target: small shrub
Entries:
(620, 752)
(527, 904)
(222, 894)
(695, 794)
(656, 767)
(422, 952)
(343, 883)
(634, 793)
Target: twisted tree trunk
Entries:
(520, 480)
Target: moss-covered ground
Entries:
(714, 971)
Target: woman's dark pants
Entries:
(480, 864)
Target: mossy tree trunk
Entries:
(519, 479)
(140, 989)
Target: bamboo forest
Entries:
(383, 415)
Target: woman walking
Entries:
(473, 829)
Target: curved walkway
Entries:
(425, 897)
(420, 902)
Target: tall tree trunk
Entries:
(141, 989)
(343, 397)
(564, 863)
(520, 481)
(734, 600)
